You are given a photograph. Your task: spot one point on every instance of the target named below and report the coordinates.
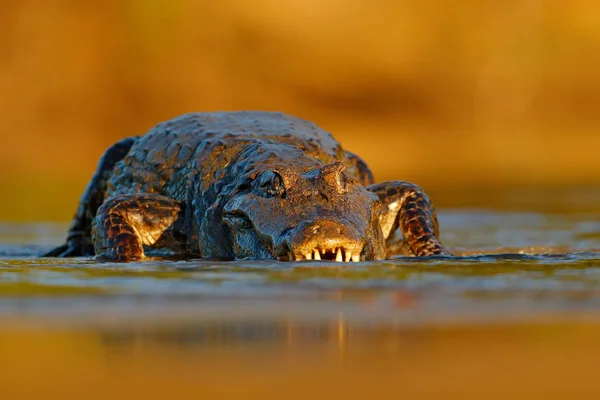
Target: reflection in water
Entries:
(218, 333)
(293, 360)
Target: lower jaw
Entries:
(325, 257)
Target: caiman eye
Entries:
(238, 222)
(271, 183)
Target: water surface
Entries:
(523, 285)
(510, 266)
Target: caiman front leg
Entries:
(407, 207)
(127, 223)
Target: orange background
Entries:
(450, 95)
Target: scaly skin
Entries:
(406, 206)
(246, 185)
(124, 224)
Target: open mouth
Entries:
(338, 254)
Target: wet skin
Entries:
(246, 185)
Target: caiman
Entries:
(246, 185)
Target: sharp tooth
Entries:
(363, 258)
(308, 256)
(347, 256)
(338, 256)
(290, 257)
(317, 255)
(356, 258)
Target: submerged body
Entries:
(246, 185)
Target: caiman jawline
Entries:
(339, 254)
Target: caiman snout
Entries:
(325, 240)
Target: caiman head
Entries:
(296, 208)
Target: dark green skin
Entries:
(246, 185)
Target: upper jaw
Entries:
(332, 250)
(339, 254)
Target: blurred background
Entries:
(463, 98)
